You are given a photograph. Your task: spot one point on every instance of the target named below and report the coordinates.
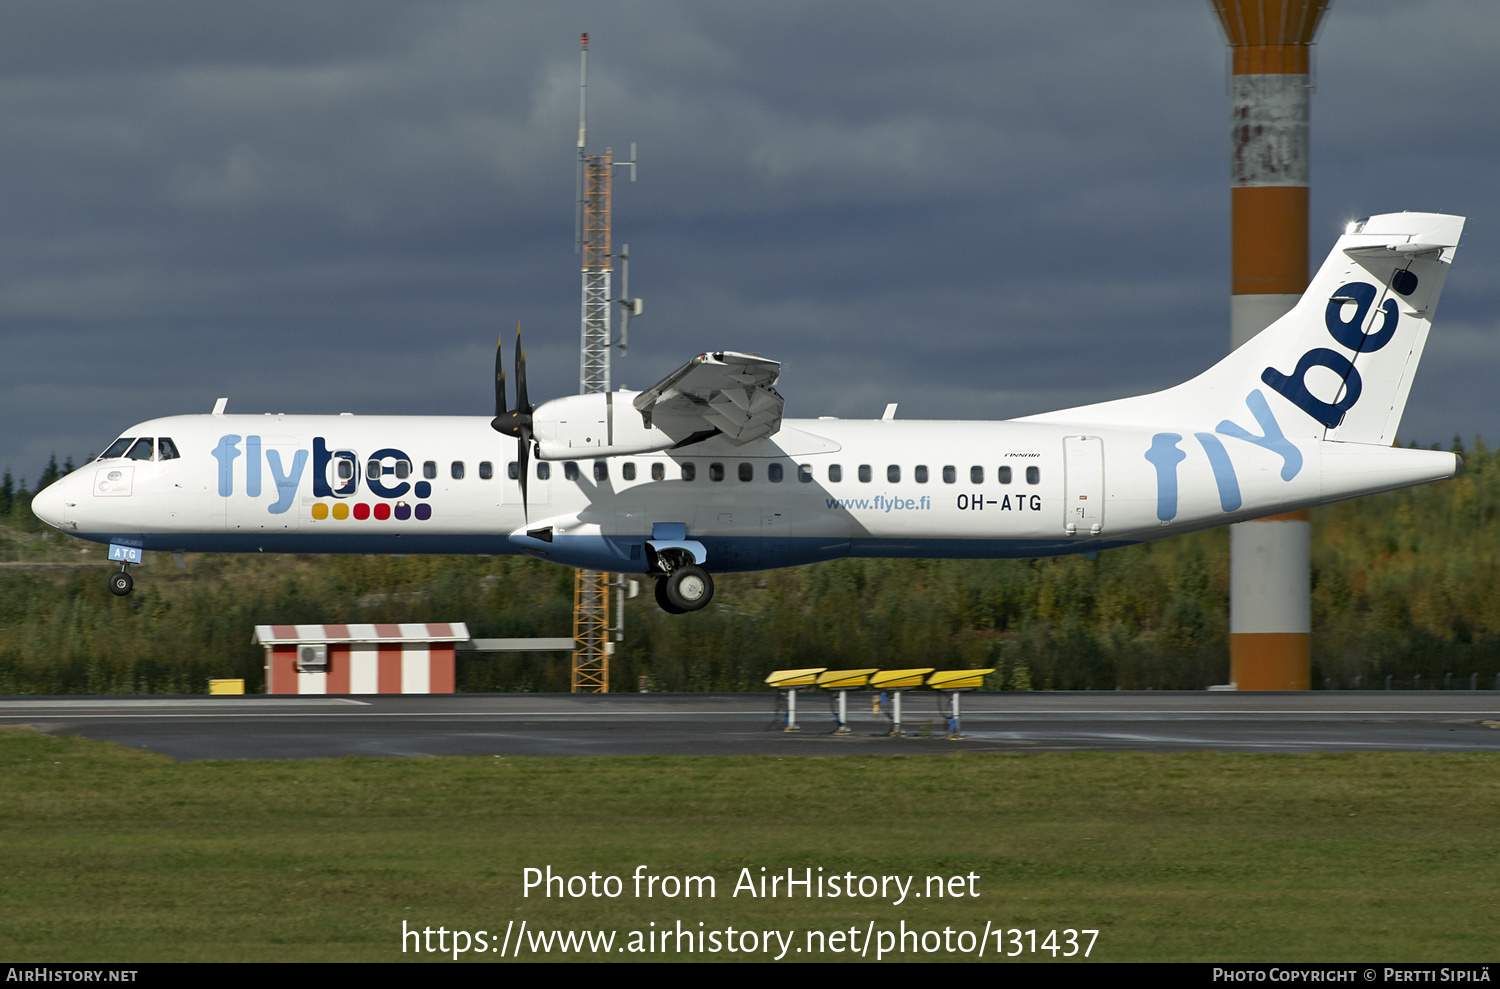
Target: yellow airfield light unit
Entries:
(899, 679)
(785, 679)
(896, 683)
(845, 679)
(958, 679)
(786, 683)
(841, 682)
(952, 683)
(226, 686)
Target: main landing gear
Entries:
(120, 583)
(684, 589)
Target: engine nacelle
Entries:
(604, 424)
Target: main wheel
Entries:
(120, 583)
(661, 598)
(690, 588)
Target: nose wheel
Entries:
(120, 583)
(685, 589)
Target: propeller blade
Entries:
(525, 465)
(523, 403)
(515, 423)
(500, 408)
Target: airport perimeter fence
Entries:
(1447, 681)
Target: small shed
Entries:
(410, 658)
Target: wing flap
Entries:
(725, 391)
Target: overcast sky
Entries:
(975, 209)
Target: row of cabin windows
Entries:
(688, 471)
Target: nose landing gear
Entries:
(120, 583)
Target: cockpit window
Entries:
(166, 449)
(117, 448)
(141, 450)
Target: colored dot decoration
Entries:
(381, 511)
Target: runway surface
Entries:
(258, 727)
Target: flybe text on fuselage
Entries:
(336, 475)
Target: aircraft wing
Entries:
(722, 392)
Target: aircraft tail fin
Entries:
(1339, 365)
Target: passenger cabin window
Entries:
(658, 472)
(403, 469)
(773, 473)
(429, 470)
(864, 473)
(1033, 475)
(893, 474)
(628, 471)
(543, 470)
(747, 471)
(345, 469)
(513, 471)
(920, 473)
(950, 474)
(166, 449)
(601, 470)
(1004, 474)
(716, 472)
(570, 470)
(117, 448)
(976, 475)
(835, 472)
(141, 450)
(689, 471)
(486, 470)
(457, 470)
(805, 473)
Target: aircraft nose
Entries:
(48, 505)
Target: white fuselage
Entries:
(816, 490)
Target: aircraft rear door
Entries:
(1083, 485)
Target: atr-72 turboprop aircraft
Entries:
(701, 474)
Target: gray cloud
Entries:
(973, 209)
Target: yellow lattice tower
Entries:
(591, 632)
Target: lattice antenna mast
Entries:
(591, 628)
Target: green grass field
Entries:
(111, 854)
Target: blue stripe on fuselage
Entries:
(726, 554)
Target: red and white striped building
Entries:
(415, 658)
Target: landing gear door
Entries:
(1083, 486)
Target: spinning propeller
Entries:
(517, 423)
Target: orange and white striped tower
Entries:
(1270, 618)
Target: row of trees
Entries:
(15, 497)
(1404, 584)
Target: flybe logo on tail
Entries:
(1351, 334)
